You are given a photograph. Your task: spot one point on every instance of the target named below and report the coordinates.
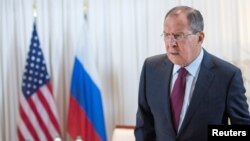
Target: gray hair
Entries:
(194, 17)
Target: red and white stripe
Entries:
(38, 119)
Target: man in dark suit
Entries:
(212, 89)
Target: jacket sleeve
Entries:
(144, 129)
(237, 105)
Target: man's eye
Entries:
(177, 36)
(167, 35)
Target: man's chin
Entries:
(177, 62)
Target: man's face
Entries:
(181, 44)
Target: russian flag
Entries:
(85, 115)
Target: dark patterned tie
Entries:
(177, 96)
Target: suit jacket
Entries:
(219, 94)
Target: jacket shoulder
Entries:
(156, 59)
(223, 64)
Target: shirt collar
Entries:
(193, 67)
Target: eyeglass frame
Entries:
(176, 36)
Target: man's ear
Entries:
(201, 37)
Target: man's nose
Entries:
(171, 42)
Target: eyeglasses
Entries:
(176, 36)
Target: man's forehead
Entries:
(180, 18)
(176, 24)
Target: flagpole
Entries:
(34, 11)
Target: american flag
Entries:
(38, 120)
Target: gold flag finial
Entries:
(34, 9)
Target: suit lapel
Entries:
(165, 93)
(203, 83)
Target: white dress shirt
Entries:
(193, 71)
